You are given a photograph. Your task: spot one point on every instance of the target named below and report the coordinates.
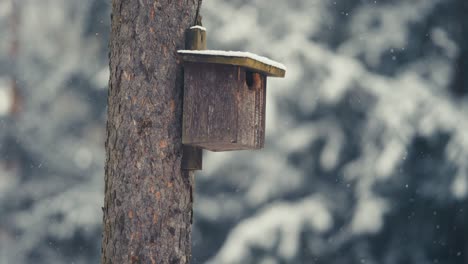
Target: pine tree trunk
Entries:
(148, 198)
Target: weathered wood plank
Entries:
(251, 131)
(192, 158)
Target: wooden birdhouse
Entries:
(224, 98)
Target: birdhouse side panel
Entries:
(210, 107)
(251, 130)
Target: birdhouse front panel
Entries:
(224, 107)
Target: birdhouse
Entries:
(224, 98)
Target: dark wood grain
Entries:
(148, 197)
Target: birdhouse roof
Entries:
(243, 59)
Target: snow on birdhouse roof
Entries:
(198, 27)
(239, 58)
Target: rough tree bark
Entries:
(148, 198)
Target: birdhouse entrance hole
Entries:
(253, 80)
(249, 79)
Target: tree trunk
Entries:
(148, 197)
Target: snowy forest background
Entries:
(366, 159)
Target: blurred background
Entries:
(366, 159)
